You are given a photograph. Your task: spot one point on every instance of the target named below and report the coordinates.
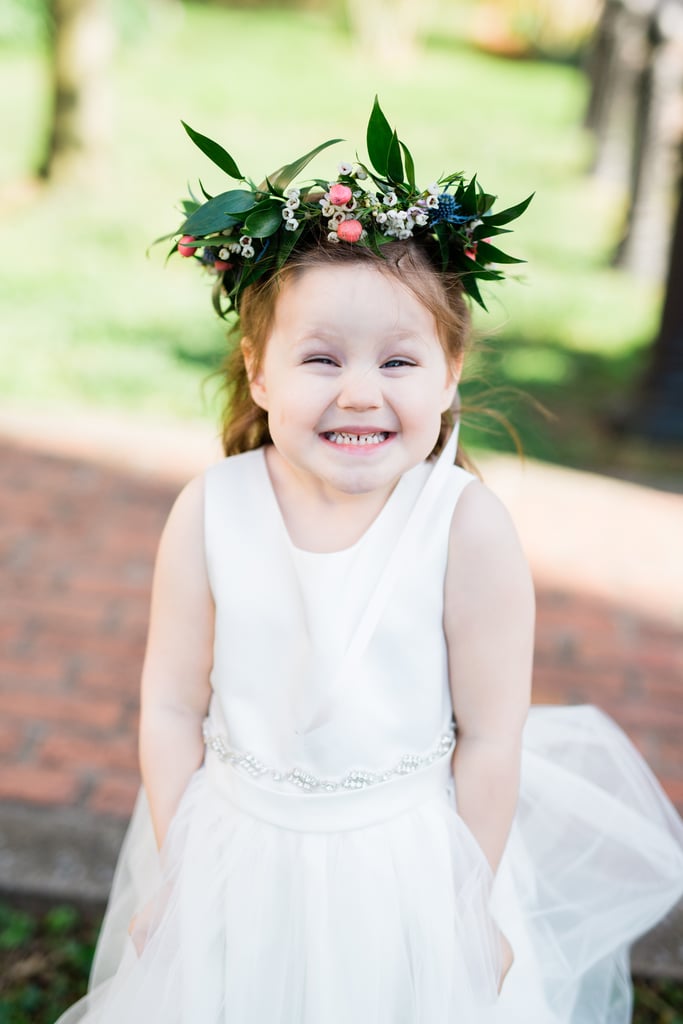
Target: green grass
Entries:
(89, 321)
(46, 954)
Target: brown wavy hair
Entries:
(245, 424)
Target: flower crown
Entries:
(245, 233)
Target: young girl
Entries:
(356, 821)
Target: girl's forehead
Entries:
(335, 295)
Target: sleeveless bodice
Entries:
(288, 688)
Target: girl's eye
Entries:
(391, 364)
(324, 360)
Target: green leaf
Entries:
(238, 201)
(287, 243)
(456, 176)
(487, 230)
(280, 179)
(215, 240)
(379, 139)
(489, 254)
(382, 184)
(264, 220)
(250, 273)
(410, 165)
(188, 206)
(375, 242)
(484, 202)
(219, 213)
(217, 294)
(512, 212)
(215, 153)
(469, 283)
(162, 238)
(469, 197)
(394, 161)
(206, 194)
(442, 235)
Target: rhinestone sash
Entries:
(305, 782)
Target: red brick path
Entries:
(77, 542)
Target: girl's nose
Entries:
(360, 391)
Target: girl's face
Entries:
(354, 379)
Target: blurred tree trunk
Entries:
(636, 112)
(600, 61)
(622, 51)
(659, 414)
(80, 130)
(656, 155)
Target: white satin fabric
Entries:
(279, 902)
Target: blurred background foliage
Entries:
(89, 321)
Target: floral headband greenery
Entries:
(245, 233)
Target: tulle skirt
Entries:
(377, 906)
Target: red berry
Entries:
(350, 230)
(221, 265)
(187, 250)
(340, 194)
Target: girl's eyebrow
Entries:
(406, 335)
(394, 343)
(407, 339)
(315, 333)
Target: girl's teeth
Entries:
(339, 437)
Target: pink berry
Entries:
(183, 248)
(340, 194)
(350, 230)
(471, 251)
(221, 265)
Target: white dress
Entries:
(317, 871)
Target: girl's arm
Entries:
(175, 675)
(489, 624)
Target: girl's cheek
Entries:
(314, 388)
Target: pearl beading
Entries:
(308, 783)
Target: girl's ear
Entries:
(256, 384)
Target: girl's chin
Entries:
(365, 480)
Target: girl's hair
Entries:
(245, 424)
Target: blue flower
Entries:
(210, 255)
(448, 212)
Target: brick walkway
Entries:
(82, 509)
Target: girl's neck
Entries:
(318, 518)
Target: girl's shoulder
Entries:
(199, 509)
(187, 512)
(479, 514)
(227, 476)
(483, 539)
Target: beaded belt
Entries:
(302, 801)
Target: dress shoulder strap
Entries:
(233, 510)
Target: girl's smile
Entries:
(354, 379)
(358, 439)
